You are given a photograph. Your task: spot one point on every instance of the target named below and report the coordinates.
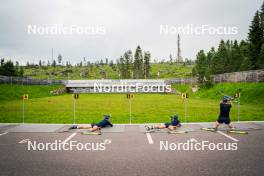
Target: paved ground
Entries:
(131, 152)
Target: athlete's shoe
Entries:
(148, 128)
(209, 129)
(73, 127)
(213, 129)
(98, 131)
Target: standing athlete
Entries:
(225, 107)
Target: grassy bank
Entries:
(14, 92)
(42, 107)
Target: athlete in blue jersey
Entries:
(225, 107)
(170, 125)
(95, 126)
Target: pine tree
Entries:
(128, 63)
(260, 62)
(21, 71)
(236, 57)
(246, 64)
(228, 60)
(210, 56)
(2, 61)
(244, 52)
(122, 67)
(146, 64)
(59, 59)
(126, 66)
(106, 61)
(171, 59)
(101, 62)
(8, 69)
(201, 66)
(220, 59)
(255, 37)
(111, 64)
(262, 19)
(207, 81)
(53, 63)
(138, 63)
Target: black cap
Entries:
(174, 117)
(106, 117)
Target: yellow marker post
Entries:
(184, 97)
(24, 97)
(75, 97)
(130, 97)
(237, 95)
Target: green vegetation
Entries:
(128, 66)
(15, 92)
(42, 107)
(171, 70)
(7, 68)
(232, 56)
(165, 70)
(251, 93)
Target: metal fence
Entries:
(28, 81)
(181, 81)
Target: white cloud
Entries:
(127, 23)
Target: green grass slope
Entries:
(251, 93)
(202, 106)
(14, 92)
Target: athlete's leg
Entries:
(84, 127)
(230, 125)
(159, 126)
(216, 125)
(80, 127)
(156, 127)
(95, 128)
(172, 127)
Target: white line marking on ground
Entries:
(24, 141)
(149, 138)
(230, 137)
(3, 133)
(69, 138)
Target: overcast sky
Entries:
(125, 24)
